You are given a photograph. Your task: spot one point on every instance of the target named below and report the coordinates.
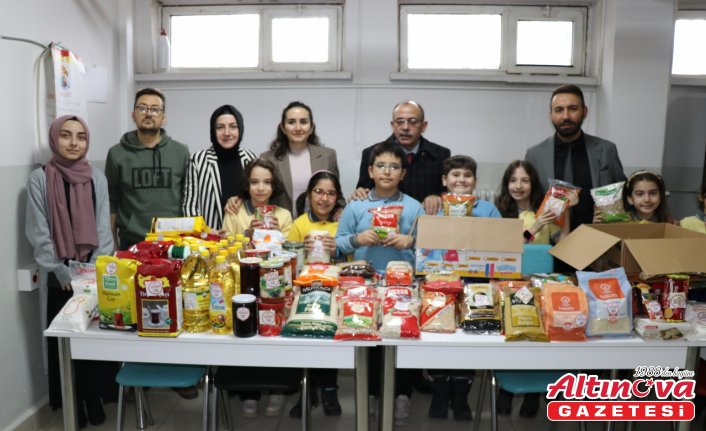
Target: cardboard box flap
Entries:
(470, 233)
(582, 246)
(668, 255)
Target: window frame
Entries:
(267, 12)
(688, 14)
(510, 14)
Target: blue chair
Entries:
(522, 382)
(141, 375)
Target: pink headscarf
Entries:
(74, 235)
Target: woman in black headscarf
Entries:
(213, 175)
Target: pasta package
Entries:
(386, 220)
(457, 204)
(325, 274)
(399, 272)
(358, 319)
(609, 302)
(480, 309)
(523, 314)
(557, 199)
(565, 310)
(314, 313)
(438, 313)
(609, 200)
(116, 293)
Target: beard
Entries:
(572, 129)
(148, 130)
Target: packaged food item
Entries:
(442, 276)
(314, 313)
(158, 296)
(696, 316)
(609, 200)
(358, 269)
(358, 318)
(650, 299)
(76, 314)
(557, 199)
(399, 272)
(115, 278)
(271, 318)
(325, 274)
(361, 290)
(400, 313)
(565, 310)
(438, 311)
(144, 250)
(83, 278)
(179, 225)
(662, 330)
(523, 314)
(386, 220)
(457, 204)
(674, 297)
(272, 283)
(267, 239)
(298, 248)
(266, 213)
(318, 254)
(480, 309)
(221, 289)
(609, 302)
(539, 280)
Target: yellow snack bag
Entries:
(523, 314)
(179, 225)
(116, 293)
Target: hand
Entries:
(597, 215)
(367, 238)
(67, 288)
(359, 194)
(256, 223)
(432, 204)
(328, 243)
(270, 222)
(233, 205)
(398, 241)
(573, 198)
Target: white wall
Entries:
(91, 29)
(492, 122)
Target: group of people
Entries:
(74, 212)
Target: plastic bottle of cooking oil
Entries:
(194, 281)
(222, 280)
(234, 261)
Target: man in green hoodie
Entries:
(145, 172)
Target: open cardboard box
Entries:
(644, 249)
(469, 246)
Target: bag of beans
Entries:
(565, 311)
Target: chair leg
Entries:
(582, 426)
(493, 412)
(225, 405)
(481, 399)
(121, 412)
(139, 410)
(214, 407)
(204, 415)
(146, 407)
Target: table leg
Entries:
(306, 405)
(609, 426)
(68, 392)
(361, 389)
(692, 364)
(387, 391)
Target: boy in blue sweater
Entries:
(386, 167)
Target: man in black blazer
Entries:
(422, 179)
(574, 156)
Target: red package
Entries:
(358, 319)
(386, 220)
(558, 199)
(148, 250)
(266, 213)
(270, 318)
(158, 298)
(399, 272)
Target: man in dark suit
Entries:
(574, 156)
(422, 180)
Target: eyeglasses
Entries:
(393, 167)
(403, 121)
(154, 110)
(328, 193)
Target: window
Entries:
(265, 38)
(689, 57)
(493, 39)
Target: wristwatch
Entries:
(528, 235)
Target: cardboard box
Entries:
(469, 246)
(644, 249)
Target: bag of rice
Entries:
(558, 197)
(358, 318)
(314, 313)
(398, 272)
(609, 302)
(400, 313)
(457, 204)
(480, 309)
(565, 311)
(609, 200)
(386, 220)
(438, 312)
(75, 315)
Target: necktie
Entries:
(410, 159)
(569, 166)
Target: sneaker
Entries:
(249, 408)
(403, 407)
(274, 405)
(329, 399)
